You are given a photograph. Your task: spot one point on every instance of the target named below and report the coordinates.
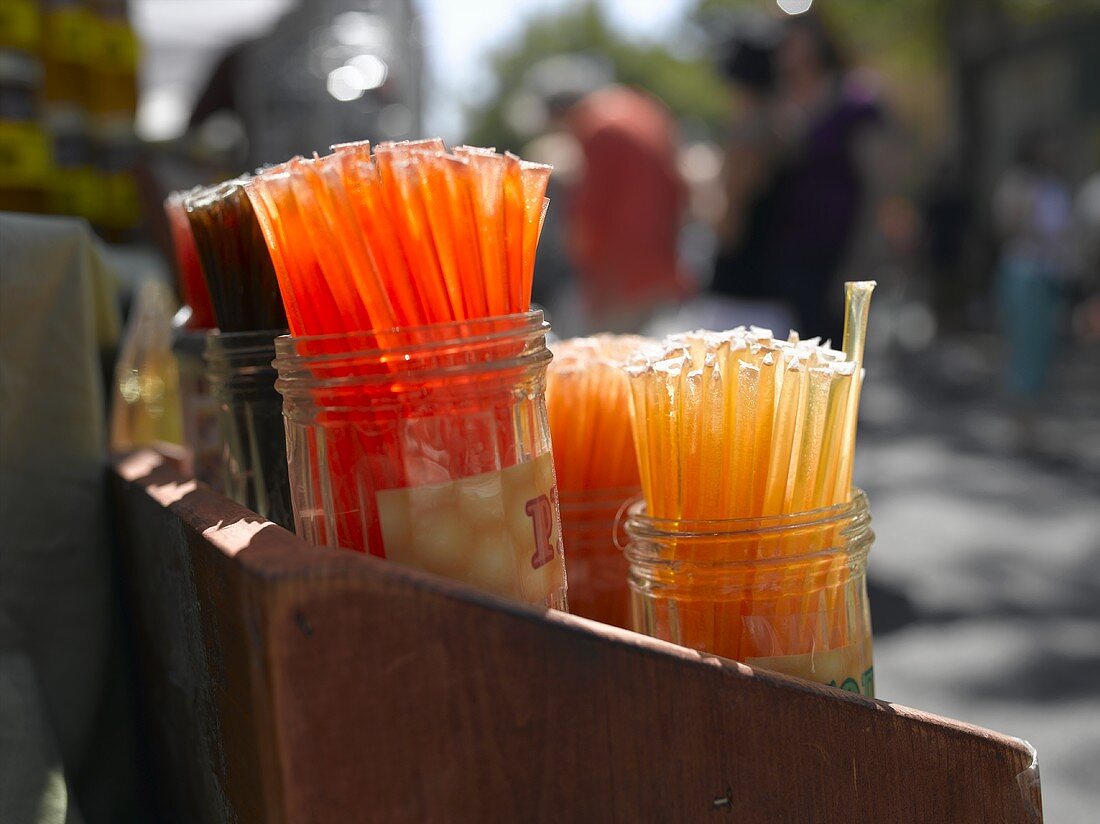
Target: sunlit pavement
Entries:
(986, 566)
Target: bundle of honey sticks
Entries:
(740, 425)
(588, 405)
(235, 262)
(192, 287)
(401, 237)
(407, 235)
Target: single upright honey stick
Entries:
(460, 203)
(513, 229)
(762, 435)
(857, 302)
(534, 178)
(832, 440)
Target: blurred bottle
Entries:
(67, 48)
(112, 104)
(25, 156)
(146, 404)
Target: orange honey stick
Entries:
(323, 230)
(398, 181)
(375, 223)
(460, 205)
(534, 178)
(513, 230)
(488, 202)
(267, 194)
(354, 246)
(436, 199)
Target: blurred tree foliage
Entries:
(688, 85)
(915, 46)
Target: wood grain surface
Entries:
(287, 683)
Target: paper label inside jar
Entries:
(848, 668)
(498, 531)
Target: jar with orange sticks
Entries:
(751, 543)
(588, 405)
(429, 446)
(413, 378)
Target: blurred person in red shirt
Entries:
(625, 209)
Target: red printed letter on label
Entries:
(542, 521)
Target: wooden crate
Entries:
(286, 683)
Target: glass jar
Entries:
(201, 437)
(785, 593)
(594, 558)
(429, 446)
(250, 422)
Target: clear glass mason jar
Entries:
(250, 422)
(201, 436)
(429, 446)
(594, 558)
(785, 593)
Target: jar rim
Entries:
(439, 336)
(585, 500)
(643, 526)
(234, 345)
(456, 358)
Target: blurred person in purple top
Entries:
(795, 172)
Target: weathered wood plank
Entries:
(293, 684)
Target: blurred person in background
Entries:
(1087, 213)
(625, 208)
(1033, 216)
(796, 171)
(946, 218)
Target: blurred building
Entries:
(1045, 76)
(68, 98)
(290, 78)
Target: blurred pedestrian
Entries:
(795, 171)
(625, 209)
(1033, 215)
(946, 216)
(1087, 213)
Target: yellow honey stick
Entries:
(712, 413)
(691, 445)
(748, 381)
(839, 395)
(799, 426)
(783, 433)
(813, 430)
(640, 426)
(857, 302)
(761, 441)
